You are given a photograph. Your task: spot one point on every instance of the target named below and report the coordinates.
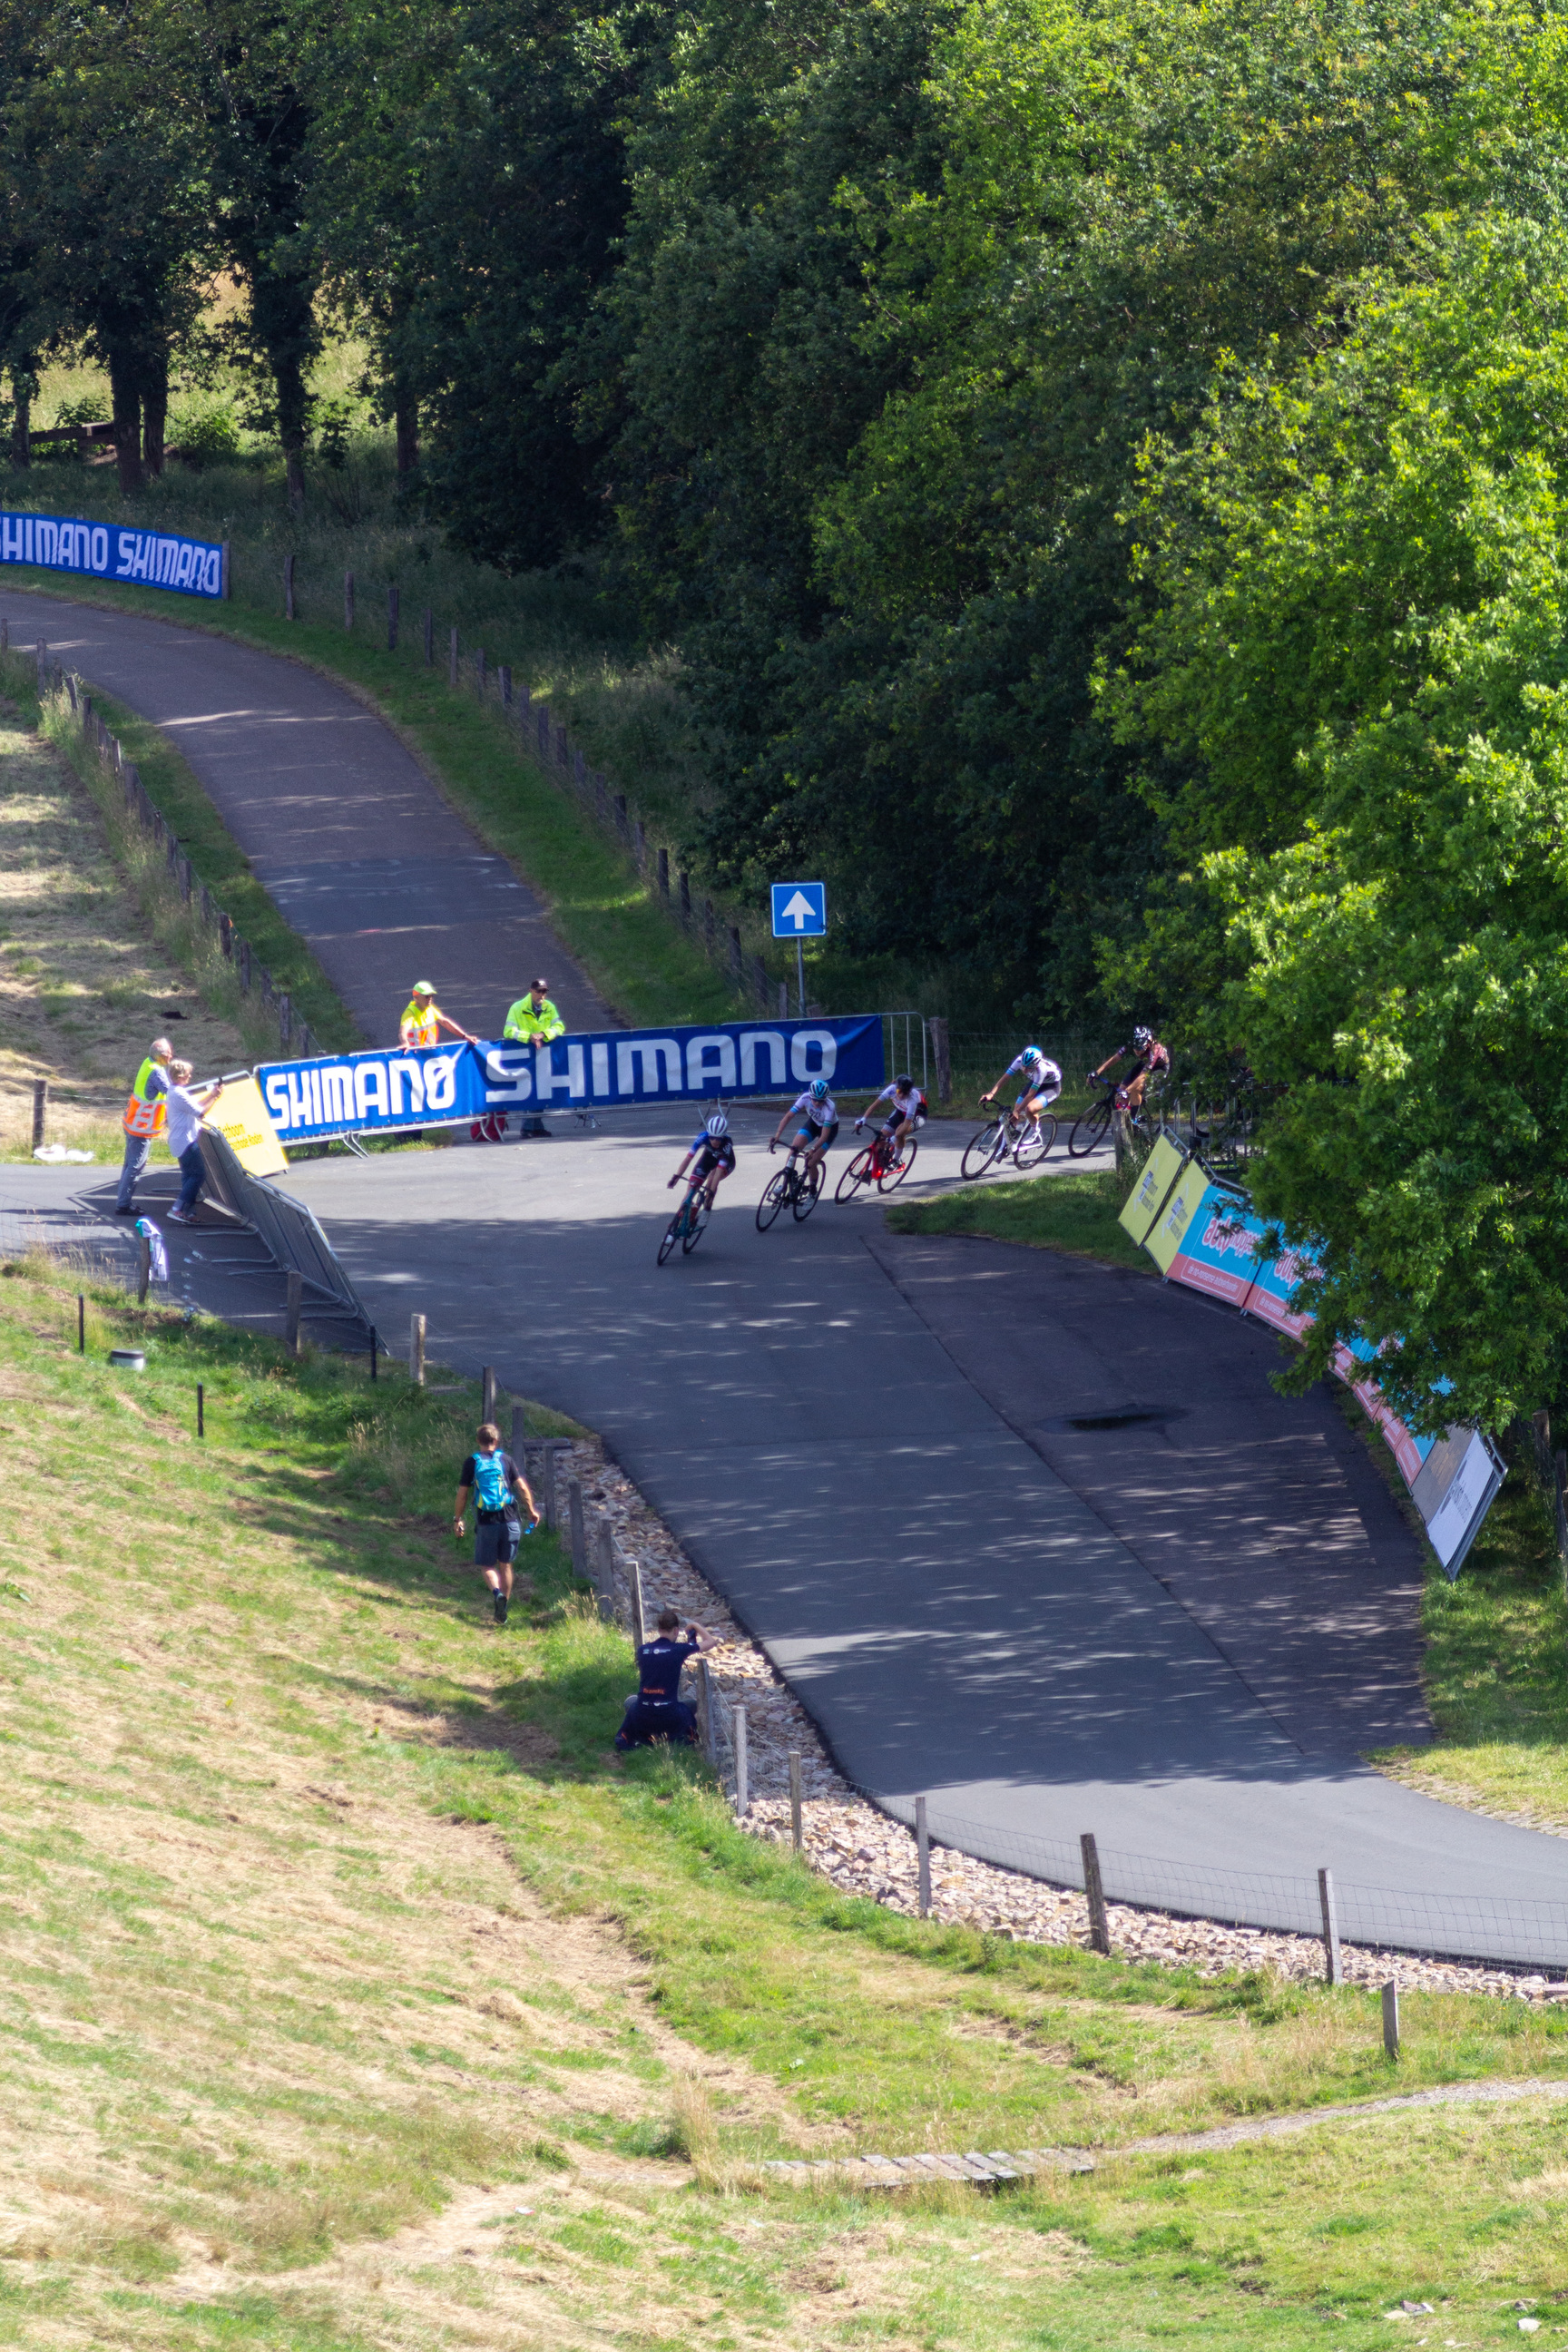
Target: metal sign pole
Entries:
(800, 974)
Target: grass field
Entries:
(337, 1936)
(83, 985)
(1077, 1213)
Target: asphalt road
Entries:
(351, 838)
(1174, 1630)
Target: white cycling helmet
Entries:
(1033, 1057)
(718, 1124)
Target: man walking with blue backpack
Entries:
(500, 1495)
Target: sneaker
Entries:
(178, 1217)
(128, 1210)
(501, 1608)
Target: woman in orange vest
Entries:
(143, 1119)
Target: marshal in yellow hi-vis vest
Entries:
(144, 1113)
(421, 1023)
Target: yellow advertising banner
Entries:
(1161, 1171)
(1165, 1238)
(239, 1113)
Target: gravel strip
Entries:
(864, 1853)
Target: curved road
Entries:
(1031, 1536)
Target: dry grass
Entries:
(83, 987)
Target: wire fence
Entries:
(1513, 1930)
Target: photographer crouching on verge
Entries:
(656, 1709)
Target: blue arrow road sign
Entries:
(800, 910)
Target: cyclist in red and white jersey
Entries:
(1150, 1060)
(908, 1109)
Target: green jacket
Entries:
(522, 1021)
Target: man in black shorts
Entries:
(656, 1709)
(500, 1493)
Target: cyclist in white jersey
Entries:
(1042, 1085)
(818, 1114)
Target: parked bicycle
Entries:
(796, 1187)
(1009, 1136)
(886, 1160)
(1092, 1126)
(689, 1222)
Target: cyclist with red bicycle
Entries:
(909, 1107)
(1150, 1060)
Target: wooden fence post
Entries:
(144, 1270)
(41, 1109)
(923, 1856)
(638, 1628)
(488, 1393)
(604, 1576)
(416, 1349)
(742, 1764)
(796, 1825)
(1333, 1968)
(1391, 2020)
(939, 1048)
(1094, 1888)
(704, 1709)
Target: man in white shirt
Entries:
(185, 1114)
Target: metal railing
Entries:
(286, 1228)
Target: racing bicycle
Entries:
(885, 1162)
(1092, 1126)
(1009, 1136)
(799, 1189)
(689, 1222)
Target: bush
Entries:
(206, 437)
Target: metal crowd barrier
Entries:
(286, 1228)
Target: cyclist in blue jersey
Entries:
(714, 1153)
(819, 1115)
(1042, 1085)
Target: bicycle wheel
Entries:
(983, 1148)
(1029, 1154)
(1091, 1127)
(808, 1193)
(892, 1177)
(773, 1200)
(671, 1235)
(859, 1172)
(696, 1226)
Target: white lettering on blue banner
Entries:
(433, 1085)
(189, 567)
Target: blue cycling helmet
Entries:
(819, 1088)
(718, 1124)
(1032, 1055)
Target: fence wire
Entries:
(1516, 1931)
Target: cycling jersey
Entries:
(821, 1113)
(712, 1152)
(1154, 1058)
(1044, 1078)
(909, 1105)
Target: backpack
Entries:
(491, 1492)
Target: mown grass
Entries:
(335, 1933)
(82, 988)
(1052, 1211)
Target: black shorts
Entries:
(495, 1540)
(807, 1136)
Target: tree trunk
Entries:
(292, 407)
(154, 411)
(126, 397)
(406, 413)
(22, 425)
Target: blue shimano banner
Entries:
(191, 567)
(438, 1086)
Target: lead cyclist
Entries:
(819, 1113)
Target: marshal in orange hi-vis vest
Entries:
(143, 1115)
